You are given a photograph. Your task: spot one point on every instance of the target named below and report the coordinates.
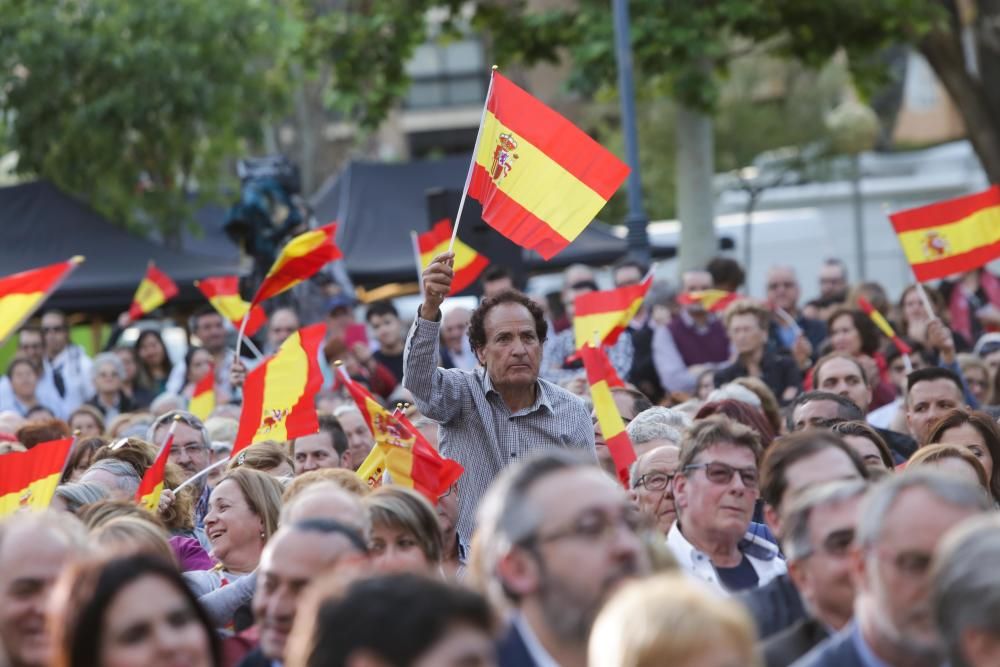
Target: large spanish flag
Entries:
(151, 487)
(21, 294)
(279, 395)
(155, 290)
(299, 260)
(951, 236)
(223, 292)
(203, 397)
(540, 178)
(468, 263)
(604, 315)
(29, 479)
(712, 300)
(883, 324)
(599, 369)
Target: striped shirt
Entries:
(477, 429)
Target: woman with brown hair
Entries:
(953, 460)
(977, 432)
(406, 536)
(869, 445)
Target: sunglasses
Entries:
(722, 473)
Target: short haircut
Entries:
(656, 423)
(747, 307)
(107, 359)
(342, 477)
(879, 501)
(726, 273)
(965, 589)
(933, 373)
(332, 527)
(867, 331)
(792, 448)
(97, 514)
(407, 510)
(126, 479)
(184, 417)
(380, 309)
(633, 470)
(264, 456)
(37, 432)
(495, 272)
(716, 430)
(817, 368)
(21, 361)
(203, 311)
(127, 535)
(65, 527)
(846, 408)
(986, 427)
(262, 494)
(640, 401)
(796, 542)
(78, 494)
(934, 453)
(330, 425)
(861, 429)
(477, 322)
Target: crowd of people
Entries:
(806, 491)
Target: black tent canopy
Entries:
(43, 225)
(377, 204)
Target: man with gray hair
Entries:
(191, 451)
(116, 476)
(966, 593)
(556, 536)
(819, 535)
(902, 520)
(651, 481)
(655, 427)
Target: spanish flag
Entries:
(203, 399)
(540, 178)
(883, 324)
(401, 455)
(21, 294)
(951, 236)
(468, 263)
(605, 315)
(223, 292)
(279, 395)
(29, 479)
(299, 260)
(151, 486)
(155, 290)
(599, 369)
(712, 300)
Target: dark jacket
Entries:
(255, 659)
(835, 651)
(512, 651)
(901, 445)
(643, 372)
(793, 642)
(778, 371)
(774, 606)
(813, 330)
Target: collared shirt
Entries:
(868, 657)
(477, 428)
(763, 556)
(74, 366)
(563, 344)
(45, 392)
(538, 654)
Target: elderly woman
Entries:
(406, 536)
(108, 375)
(23, 378)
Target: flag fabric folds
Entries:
(401, 455)
(604, 315)
(712, 300)
(278, 395)
(883, 325)
(951, 236)
(468, 263)
(151, 487)
(223, 292)
(29, 479)
(599, 370)
(21, 294)
(299, 260)
(155, 290)
(203, 397)
(540, 178)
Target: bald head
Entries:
(326, 500)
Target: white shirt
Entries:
(763, 557)
(74, 365)
(537, 652)
(882, 417)
(45, 392)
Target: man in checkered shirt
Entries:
(500, 412)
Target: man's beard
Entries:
(569, 612)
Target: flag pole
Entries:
(254, 349)
(925, 300)
(472, 163)
(243, 330)
(420, 268)
(194, 478)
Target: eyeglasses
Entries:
(593, 527)
(187, 450)
(722, 473)
(656, 480)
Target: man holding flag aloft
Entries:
(501, 412)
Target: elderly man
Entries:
(793, 464)
(655, 427)
(746, 326)
(34, 549)
(557, 537)
(819, 535)
(282, 324)
(295, 556)
(630, 402)
(651, 480)
(715, 490)
(693, 340)
(965, 593)
(359, 437)
(902, 520)
(326, 448)
(118, 478)
(931, 393)
(802, 339)
(502, 411)
(68, 368)
(455, 349)
(191, 451)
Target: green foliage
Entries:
(126, 104)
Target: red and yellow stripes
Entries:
(712, 300)
(151, 486)
(883, 324)
(21, 294)
(468, 263)
(604, 315)
(29, 479)
(203, 398)
(279, 395)
(599, 370)
(155, 290)
(540, 178)
(951, 236)
(223, 292)
(302, 257)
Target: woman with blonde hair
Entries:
(405, 536)
(951, 459)
(128, 536)
(670, 619)
(267, 456)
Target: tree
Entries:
(128, 105)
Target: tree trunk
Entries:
(695, 192)
(943, 50)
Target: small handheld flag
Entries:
(883, 324)
(21, 294)
(203, 398)
(604, 315)
(468, 263)
(599, 370)
(155, 290)
(223, 292)
(29, 479)
(712, 300)
(151, 487)
(299, 260)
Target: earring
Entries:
(262, 535)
